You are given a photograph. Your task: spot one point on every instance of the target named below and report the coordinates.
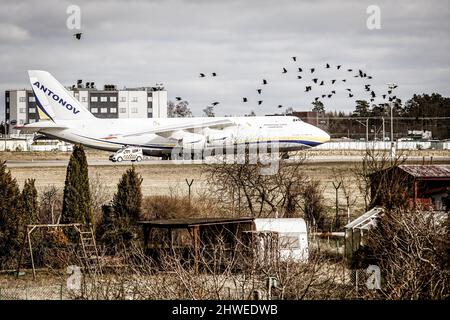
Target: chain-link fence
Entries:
(52, 292)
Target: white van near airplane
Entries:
(65, 118)
(127, 153)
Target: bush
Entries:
(168, 207)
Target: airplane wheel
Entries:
(138, 159)
(119, 159)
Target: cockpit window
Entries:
(296, 119)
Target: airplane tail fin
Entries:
(53, 100)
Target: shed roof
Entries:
(365, 221)
(191, 222)
(427, 171)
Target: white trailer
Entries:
(292, 237)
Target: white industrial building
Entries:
(142, 102)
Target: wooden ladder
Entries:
(89, 252)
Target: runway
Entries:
(153, 161)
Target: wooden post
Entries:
(31, 250)
(196, 234)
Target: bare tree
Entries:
(409, 248)
(50, 205)
(242, 190)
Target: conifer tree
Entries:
(77, 197)
(9, 215)
(128, 199)
(30, 202)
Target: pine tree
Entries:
(9, 215)
(128, 199)
(30, 202)
(77, 197)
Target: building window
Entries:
(113, 110)
(150, 115)
(122, 110)
(7, 99)
(83, 99)
(94, 110)
(21, 99)
(7, 110)
(32, 110)
(103, 99)
(32, 99)
(113, 99)
(134, 110)
(77, 96)
(103, 110)
(22, 110)
(32, 120)
(149, 110)
(134, 99)
(94, 99)
(149, 99)
(123, 99)
(21, 121)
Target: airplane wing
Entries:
(167, 131)
(37, 126)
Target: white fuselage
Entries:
(111, 134)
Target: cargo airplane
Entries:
(63, 117)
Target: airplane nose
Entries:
(323, 135)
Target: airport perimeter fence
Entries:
(52, 292)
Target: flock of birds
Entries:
(308, 74)
(330, 85)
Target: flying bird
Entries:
(316, 98)
(280, 106)
(214, 74)
(294, 58)
(215, 103)
(308, 88)
(299, 77)
(348, 89)
(327, 66)
(315, 80)
(349, 70)
(259, 102)
(178, 98)
(202, 75)
(338, 67)
(361, 73)
(369, 77)
(372, 99)
(324, 95)
(373, 94)
(333, 91)
(312, 70)
(300, 70)
(333, 81)
(344, 80)
(284, 70)
(259, 91)
(384, 96)
(330, 95)
(244, 99)
(264, 81)
(350, 95)
(78, 35)
(321, 83)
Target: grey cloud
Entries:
(143, 42)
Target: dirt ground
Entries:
(170, 178)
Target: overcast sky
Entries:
(137, 43)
